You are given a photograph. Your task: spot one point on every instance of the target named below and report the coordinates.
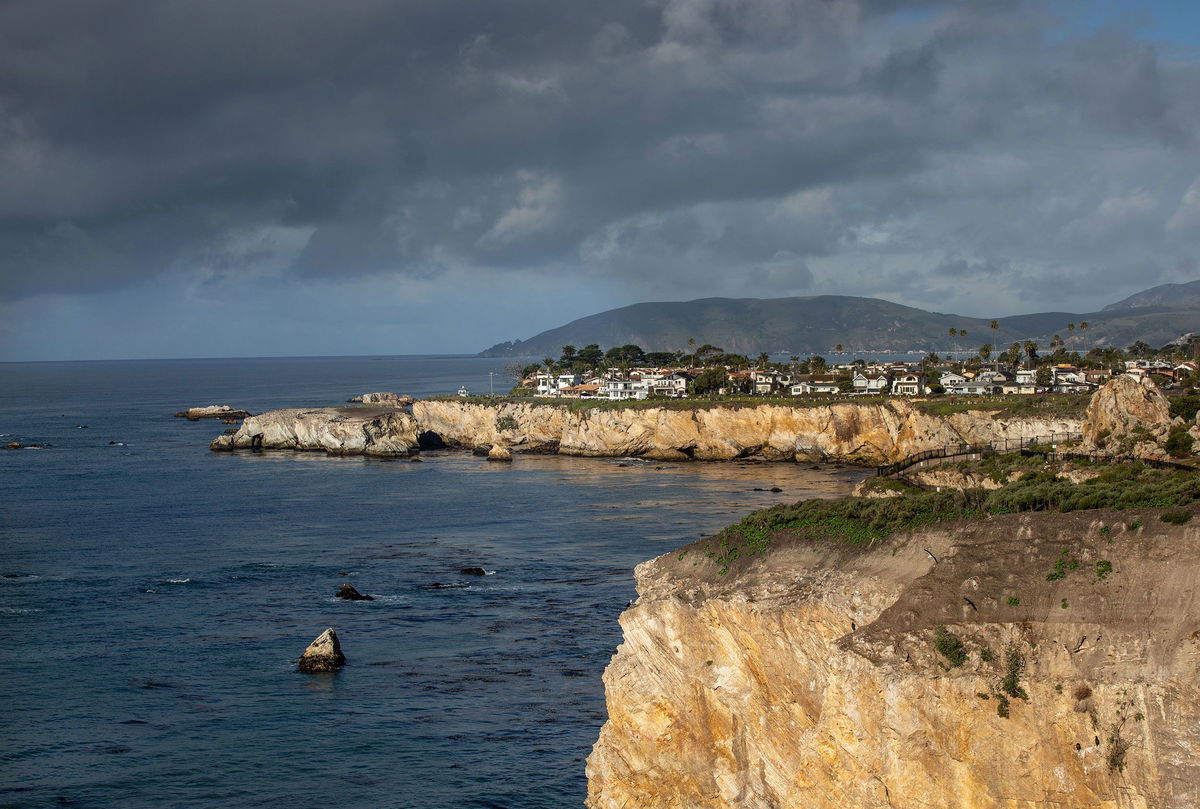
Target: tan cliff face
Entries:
(381, 431)
(808, 677)
(861, 433)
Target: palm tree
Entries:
(1031, 351)
(952, 331)
(985, 352)
(994, 325)
(838, 348)
(1070, 327)
(962, 332)
(763, 359)
(1083, 326)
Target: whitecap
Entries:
(177, 581)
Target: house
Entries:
(768, 382)
(1065, 378)
(581, 391)
(553, 384)
(622, 389)
(673, 383)
(909, 383)
(871, 382)
(815, 384)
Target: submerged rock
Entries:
(348, 592)
(323, 654)
(473, 571)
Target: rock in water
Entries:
(473, 571)
(348, 592)
(499, 453)
(323, 654)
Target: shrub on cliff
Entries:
(865, 521)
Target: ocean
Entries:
(155, 594)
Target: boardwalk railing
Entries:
(1001, 446)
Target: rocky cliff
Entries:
(946, 669)
(364, 430)
(860, 433)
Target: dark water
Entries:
(163, 592)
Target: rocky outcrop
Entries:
(211, 412)
(860, 433)
(323, 654)
(349, 593)
(382, 431)
(391, 399)
(499, 453)
(1128, 416)
(811, 675)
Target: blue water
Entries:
(162, 593)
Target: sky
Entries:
(271, 177)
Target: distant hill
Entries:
(1172, 296)
(815, 325)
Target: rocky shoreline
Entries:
(872, 433)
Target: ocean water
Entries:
(156, 594)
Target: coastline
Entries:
(866, 433)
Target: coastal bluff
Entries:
(813, 674)
(863, 433)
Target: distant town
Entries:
(630, 373)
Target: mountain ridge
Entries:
(818, 323)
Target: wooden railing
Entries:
(1001, 446)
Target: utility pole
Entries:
(491, 384)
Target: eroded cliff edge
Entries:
(809, 675)
(859, 433)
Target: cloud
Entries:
(665, 148)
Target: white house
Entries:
(554, 384)
(870, 382)
(815, 384)
(909, 383)
(623, 389)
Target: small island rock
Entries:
(473, 571)
(348, 592)
(212, 412)
(323, 654)
(499, 453)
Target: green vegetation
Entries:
(1064, 563)
(1065, 604)
(1176, 516)
(1179, 443)
(860, 521)
(1010, 683)
(1002, 706)
(985, 654)
(1050, 406)
(1185, 407)
(505, 423)
(1104, 568)
(1013, 601)
(949, 646)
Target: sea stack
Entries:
(323, 654)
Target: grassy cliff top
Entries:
(1014, 406)
(864, 522)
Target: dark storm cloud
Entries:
(710, 146)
